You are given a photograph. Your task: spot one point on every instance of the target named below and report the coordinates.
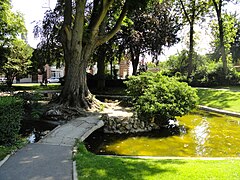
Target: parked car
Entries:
(53, 80)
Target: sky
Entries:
(33, 11)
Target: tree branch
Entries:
(185, 12)
(96, 22)
(115, 29)
(215, 5)
(66, 28)
(79, 22)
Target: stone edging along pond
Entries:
(126, 124)
(131, 124)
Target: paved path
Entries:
(51, 158)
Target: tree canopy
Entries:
(148, 31)
(14, 51)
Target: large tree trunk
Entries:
(135, 62)
(75, 92)
(135, 59)
(218, 8)
(222, 47)
(191, 20)
(78, 42)
(101, 68)
(191, 50)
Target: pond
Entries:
(201, 134)
(35, 130)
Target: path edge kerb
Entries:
(220, 111)
(175, 158)
(5, 159)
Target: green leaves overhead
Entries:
(14, 52)
(11, 24)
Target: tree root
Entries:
(63, 112)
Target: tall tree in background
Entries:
(218, 6)
(148, 31)
(80, 36)
(14, 52)
(230, 28)
(49, 50)
(18, 60)
(192, 10)
(235, 45)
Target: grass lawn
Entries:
(221, 99)
(36, 86)
(4, 151)
(93, 167)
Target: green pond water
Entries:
(201, 135)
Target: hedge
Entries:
(11, 113)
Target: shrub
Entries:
(211, 74)
(160, 98)
(11, 110)
(32, 108)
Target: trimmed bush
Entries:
(11, 110)
(160, 98)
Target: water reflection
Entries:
(201, 134)
(32, 138)
(198, 134)
(35, 130)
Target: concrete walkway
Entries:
(50, 158)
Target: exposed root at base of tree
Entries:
(63, 112)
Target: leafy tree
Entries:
(192, 12)
(218, 6)
(230, 32)
(11, 48)
(18, 60)
(50, 49)
(11, 24)
(178, 64)
(108, 52)
(149, 30)
(235, 45)
(80, 35)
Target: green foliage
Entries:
(210, 74)
(14, 52)
(205, 71)
(160, 98)
(235, 45)
(6, 150)
(230, 32)
(32, 109)
(179, 62)
(11, 24)
(18, 60)
(11, 111)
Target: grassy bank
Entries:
(92, 167)
(222, 99)
(5, 150)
